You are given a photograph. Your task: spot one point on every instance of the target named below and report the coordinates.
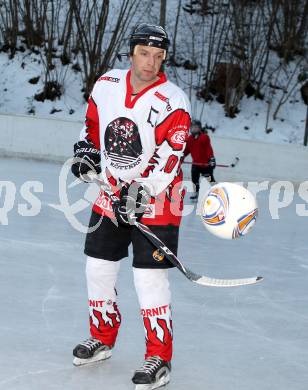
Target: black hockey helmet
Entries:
(195, 127)
(197, 123)
(148, 35)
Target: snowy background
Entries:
(254, 121)
(17, 93)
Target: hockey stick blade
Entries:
(192, 276)
(212, 282)
(237, 159)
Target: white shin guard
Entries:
(152, 287)
(101, 278)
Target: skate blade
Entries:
(162, 382)
(102, 355)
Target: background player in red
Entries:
(203, 160)
(136, 127)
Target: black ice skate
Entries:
(153, 374)
(90, 351)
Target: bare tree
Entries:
(246, 48)
(175, 32)
(163, 8)
(9, 25)
(97, 39)
(224, 46)
(290, 27)
(291, 82)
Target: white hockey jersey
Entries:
(141, 137)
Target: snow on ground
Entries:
(252, 337)
(250, 123)
(17, 94)
(17, 97)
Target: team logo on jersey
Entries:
(179, 137)
(123, 144)
(158, 256)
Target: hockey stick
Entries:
(232, 165)
(192, 276)
(163, 249)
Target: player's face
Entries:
(146, 62)
(195, 130)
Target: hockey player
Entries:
(203, 160)
(136, 127)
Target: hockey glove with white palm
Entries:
(132, 204)
(86, 159)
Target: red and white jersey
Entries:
(200, 148)
(141, 137)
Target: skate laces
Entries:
(151, 365)
(91, 343)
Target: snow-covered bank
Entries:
(53, 139)
(252, 122)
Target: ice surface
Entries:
(246, 338)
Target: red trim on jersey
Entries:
(174, 129)
(130, 100)
(92, 123)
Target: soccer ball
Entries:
(229, 210)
